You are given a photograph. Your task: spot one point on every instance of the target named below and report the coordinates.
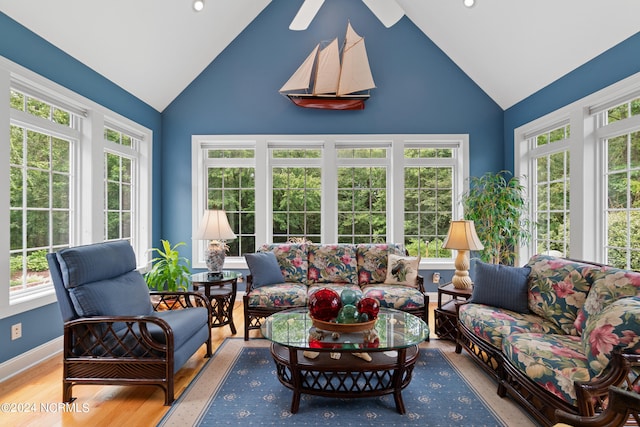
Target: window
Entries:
(296, 193)
(40, 187)
(331, 188)
(583, 169)
(120, 170)
(550, 198)
(362, 194)
(74, 173)
(430, 188)
(621, 182)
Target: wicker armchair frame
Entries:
(98, 352)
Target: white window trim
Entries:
(587, 193)
(262, 143)
(89, 228)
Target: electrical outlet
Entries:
(16, 331)
(436, 277)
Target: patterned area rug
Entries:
(239, 387)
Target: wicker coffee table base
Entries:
(348, 376)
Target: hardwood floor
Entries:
(33, 398)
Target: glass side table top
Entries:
(394, 329)
(224, 276)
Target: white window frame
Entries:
(88, 189)
(262, 144)
(587, 195)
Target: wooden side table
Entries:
(446, 314)
(220, 290)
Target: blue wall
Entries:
(615, 64)
(27, 49)
(419, 90)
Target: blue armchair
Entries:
(113, 333)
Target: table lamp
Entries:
(214, 227)
(463, 238)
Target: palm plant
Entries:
(498, 207)
(169, 271)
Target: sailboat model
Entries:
(334, 84)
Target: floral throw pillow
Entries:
(617, 326)
(402, 270)
(609, 284)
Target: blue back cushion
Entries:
(102, 280)
(264, 268)
(90, 263)
(501, 286)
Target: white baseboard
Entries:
(29, 359)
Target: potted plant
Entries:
(498, 207)
(169, 270)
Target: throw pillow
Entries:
(264, 269)
(501, 286)
(402, 270)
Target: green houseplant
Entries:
(497, 205)
(169, 270)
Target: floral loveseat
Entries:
(576, 334)
(284, 275)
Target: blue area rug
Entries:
(239, 387)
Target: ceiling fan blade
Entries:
(387, 11)
(305, 15)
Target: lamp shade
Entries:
(214, 225)
(462, 236)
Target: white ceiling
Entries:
(510, 48)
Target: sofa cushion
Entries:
(615, 327)
(292, 259)
(395, 296)
(333, 264)
(286, 295)
(558, 289)
(264, 269)
(127, 295)
(402, 270)
(501, 286)
(493, 324)
(609, 285)
(554, 362)
(372, 261)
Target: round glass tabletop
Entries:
(393, 329)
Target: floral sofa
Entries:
(576, 334)
(283, 276)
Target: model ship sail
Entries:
(334, 85)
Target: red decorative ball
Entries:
(324, 304)
(369, 306)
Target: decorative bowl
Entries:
(343, 327)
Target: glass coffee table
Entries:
(366, 363)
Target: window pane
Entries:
(362, 202)
(428, 206)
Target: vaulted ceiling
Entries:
(510, 48)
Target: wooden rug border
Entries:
(191, 406)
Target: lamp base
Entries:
(215, 258)
(461, 278)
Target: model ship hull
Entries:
(327, 102)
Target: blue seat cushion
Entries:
(184, 323)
